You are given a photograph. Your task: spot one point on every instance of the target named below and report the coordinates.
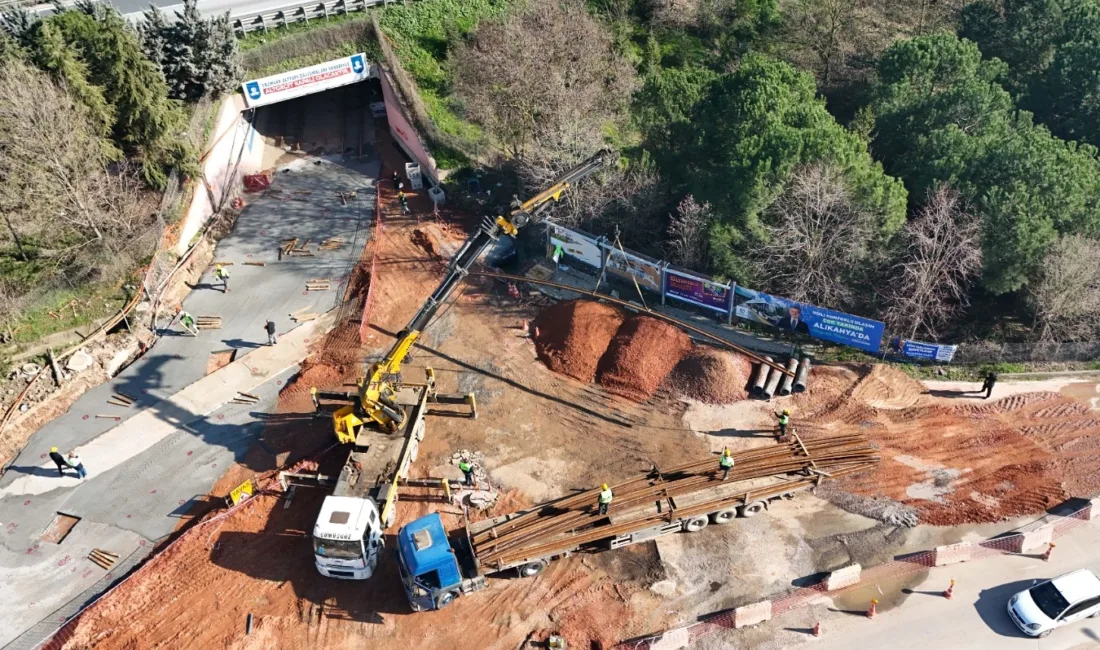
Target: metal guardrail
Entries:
(300, 13)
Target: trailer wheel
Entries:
(752, 509)
(532, 569)
(446, 599)
(723, 516)
(696, 524)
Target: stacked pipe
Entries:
(802, 375)
(788, 380)
(761, 377)
(566, 522)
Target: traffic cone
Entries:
(1046, 554)
(873, 610)
(817, 629)
(536, 332)
(950, 593)
(524, 327)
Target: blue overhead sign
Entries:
(825, 324)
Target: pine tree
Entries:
(198, 56)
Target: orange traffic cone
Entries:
(523, 327)
(536, 332)
(817, 629)
(1046, 554)
(950, 593)
(873, 610)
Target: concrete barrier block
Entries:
(1093, 511)
(845, 577)
(752, 614)
(672, 640)
(1037, 539)
(952, 554)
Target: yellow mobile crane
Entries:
(384, 417)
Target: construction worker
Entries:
(990, 381)
(403, 199)
(74, 462)
(784, 419)
(606, 495)
(467, 472)
(56, 457)
(222, 275)
(313, 396)
(188, 322)
(270, 328)
(725, 462)
(397, 184)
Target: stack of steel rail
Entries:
(571, 521)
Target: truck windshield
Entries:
(1049, 599)
(342, 549)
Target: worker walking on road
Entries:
(784, 419)
(403, 199)
(56, 457)
(270, 327)
(221, 275)
(397, 184)
(987, 385)
(74, 462)
(606, 495)
(467, 472)
(188, 322)
(725, 462)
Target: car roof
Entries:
(424, 544)
(1078, 585)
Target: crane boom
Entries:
(376, 390)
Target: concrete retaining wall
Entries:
(842, 578)
(235, 149)
(672, 640)
(753, 614)
(1031, 540)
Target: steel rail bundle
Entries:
(570, 521)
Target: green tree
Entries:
(198, 56)
(755, 126)
(1066, 96)
(942, 117)
(1022, 33)
(96, 49)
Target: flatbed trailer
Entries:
(660, 502)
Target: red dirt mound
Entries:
(712, 376)
(574, 335)
(640, 356)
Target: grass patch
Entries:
(92, 303)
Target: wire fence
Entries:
(983, 352)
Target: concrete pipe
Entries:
(761, 378)
(788, 380)
(802, 376)
(773, 383)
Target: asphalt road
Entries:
(134, 8)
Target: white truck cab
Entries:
(347, 538)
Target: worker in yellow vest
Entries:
(606, 495)
(725, 463)
(784, 419)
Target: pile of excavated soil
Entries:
(951, 461)
(574, 335)
(640, 356)
(711, 376)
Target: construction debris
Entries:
(332, 244)
(108, 417)
(255, 263)
(303, 318)
(318, 284)
(209, 322)
(104, 559)
(290, 248)
(344, 196)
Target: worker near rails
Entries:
(62, 464)
(784, 419)
(221, 275)
(188, 322)
(725, 463)
(270, 329)
(467, 472)
(990, 381)
(403, 199)
(606, 495)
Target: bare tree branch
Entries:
(687, 234)
(1065, 297)
(943, 255)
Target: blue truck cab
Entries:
(430, 570)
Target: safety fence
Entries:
(368, 300)
(65, 631)
(1054, 352)
(1037, 535)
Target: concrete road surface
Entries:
(974, 618)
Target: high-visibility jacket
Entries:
(187, 320)
(606, 496)
(725, 461)
(783, 419)
(221, 273)
(464, 466)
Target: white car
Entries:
(1054, 603)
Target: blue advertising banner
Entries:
(929, 351)
(825, 324)
(697, 291)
